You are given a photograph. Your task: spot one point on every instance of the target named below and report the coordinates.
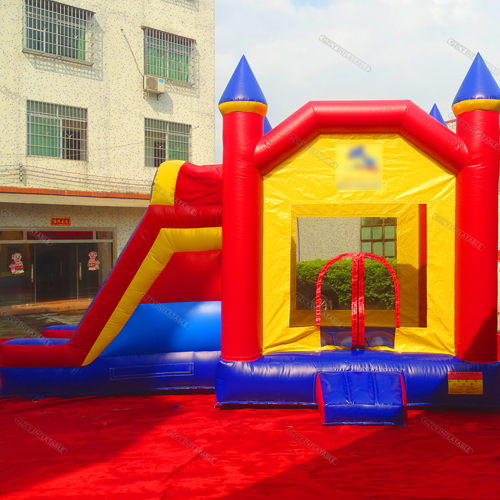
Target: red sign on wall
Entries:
(60, 221)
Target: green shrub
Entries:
(379, 288)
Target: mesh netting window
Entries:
(57, 30)
(166, 141)
(168, 56)
(57, 131)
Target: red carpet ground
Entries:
(130, 447)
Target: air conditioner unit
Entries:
(154, 84)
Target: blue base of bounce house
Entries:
(290, 378)
(361, 398)
(112, 374)
(152, 352)
(272, 379)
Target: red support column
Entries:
(242, 198)
(354, 301)
(476, 239)
(361, 303)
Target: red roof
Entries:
(367, 117)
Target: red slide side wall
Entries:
(242, 194)
(189, 277)
(156, 217)
(58, 334)
(477, 217)
(199, 185)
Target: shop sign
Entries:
(60, 221)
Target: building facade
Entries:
(94, 96)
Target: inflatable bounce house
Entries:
(208, 293)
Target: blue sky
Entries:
(315, 3)
(404, 42)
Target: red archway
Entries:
(358, 294)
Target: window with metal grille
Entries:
(57, 131)
(168, 56)
(379, 235)
(166, 141)
(56, 30)
(188, 4)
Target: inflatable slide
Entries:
(155, 322)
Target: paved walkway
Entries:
(10, 329)
(47, 307)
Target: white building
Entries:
(80, 137)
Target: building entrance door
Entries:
(51, 265)
(55, 268)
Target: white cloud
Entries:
(404, 41)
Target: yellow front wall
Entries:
(305, 185)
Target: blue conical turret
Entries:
(243, 85)
(437, 115)
(479, 90)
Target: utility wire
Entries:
(49, 177)
(74, 174)
(133, 55)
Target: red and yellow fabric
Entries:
(164, 185)
(243, 106)
(474, 104)
(168, 241)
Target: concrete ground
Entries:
(10, 327)
(46, 307)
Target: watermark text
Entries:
(311, 149)
(461, 234)
(160, 191)
(446, 435)
(188, 444)
(345, 53)
(41, 436)
(164, 310)
(26, 329)
(312, 446)
(471, 55)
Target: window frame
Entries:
(64, 18)
(154, 160)
(383, 240)
(153, 41)
(59, 119)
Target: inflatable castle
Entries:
(204, 295)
